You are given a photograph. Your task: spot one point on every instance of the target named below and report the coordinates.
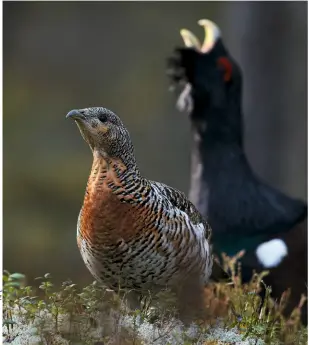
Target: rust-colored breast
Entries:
(105, 219)
(128, 236)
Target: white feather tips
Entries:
(271, 253)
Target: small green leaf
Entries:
(13, 284)
(17, 276)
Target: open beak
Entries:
(212, 34)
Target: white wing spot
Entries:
(271, 253)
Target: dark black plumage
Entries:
(243, 211)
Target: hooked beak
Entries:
(75, 114)
(212, 34)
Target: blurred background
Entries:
(63, 55)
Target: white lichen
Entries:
(42, 331)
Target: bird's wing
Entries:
(179, 200)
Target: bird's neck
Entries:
(217, 148)
(110, 172)
(218, 117)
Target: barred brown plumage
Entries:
(133, 232)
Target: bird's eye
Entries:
(102, 117)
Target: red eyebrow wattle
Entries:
(227, 65)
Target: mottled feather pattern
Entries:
(134, 233)
(180, 201)
(155, 235)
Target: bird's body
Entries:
(130, 233)
(251, 204)
(134, 233)
(245, 213)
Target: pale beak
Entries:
(212, 34)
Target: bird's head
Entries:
(211, 82)
(104, 132)
(211, 72)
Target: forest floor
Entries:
(98, 316)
